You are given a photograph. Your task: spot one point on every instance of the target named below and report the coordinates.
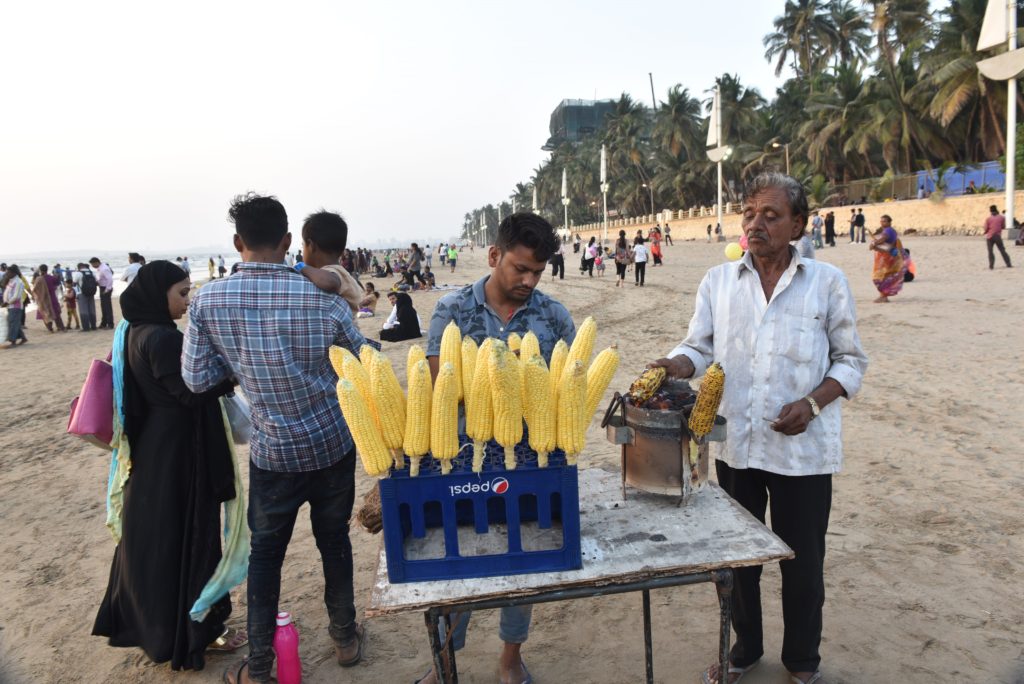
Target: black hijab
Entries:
(145, 300)
(408, 322)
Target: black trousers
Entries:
(800, 508)
(558, 266)
(639, 271)
(106, 309)
(996, 241)
(587, 266)
(668, 239)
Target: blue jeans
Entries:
(274, 501)
(514, 627)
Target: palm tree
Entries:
(852, 32)
(678, 123)
(800, 33)
(900, 23)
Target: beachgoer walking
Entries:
(428, 255)
(668, 234)
(830, 229)
(889, 263)
(44, 291)
(853, 226)
(861, 224)
(655, 237)
(639, 261)
(105, 281)
(817, 223)
(412, 270)
(14, 297)
(503, 302)
(213, 269)
(301, 450)
(589, 254)
(804, 247)
(622, 257)
(599, 262)
(558, 262)
(221, 268)
(86, 287)
(763, 302)
(576, 244)
(453, 256)
(994, 226)
(709, 233)
(181, 471)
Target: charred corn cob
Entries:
(469, 350)
(644, 387)
(530, 347)
(389, 400)
(451, 352)
(416, 440)
(369, 441)
(572, 397)
(599, 376)
(506, 400)
(539, 409)
(444, 418)
(479, 412)
(702, 416)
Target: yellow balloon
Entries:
(733, 251)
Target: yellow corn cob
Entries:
(558, 356)
(506, 400)
(337, 355)
(529, 347)
(572, 397)
(359, 375)
(702, 415)
(515, 342)
(417, 415)
(582, 344)
(444, 418)
(469, 351)
(412, 357)
(539, 410)
(389, 401)
(479, 413)
(366, 353)
(599, 376)
(369, 441)
(644, 387)
(451, 352)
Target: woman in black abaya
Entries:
(181, 472)
(403, 323)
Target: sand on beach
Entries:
(923, 570)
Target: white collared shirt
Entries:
(774, 353)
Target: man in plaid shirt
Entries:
(271, 329)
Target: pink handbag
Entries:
(92, 411)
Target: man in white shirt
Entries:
(132, 269)
(185, 266)
(784, 330)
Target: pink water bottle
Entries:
(286, 646)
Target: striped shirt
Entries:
(774, 353)
(271, 328)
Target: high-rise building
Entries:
(574, 120)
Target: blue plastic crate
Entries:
(436, 504)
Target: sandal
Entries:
(230, 641)
(710, 675)
(815, 677)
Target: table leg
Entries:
(723, 580)
(451, 675)
(433, 631)
(648, 646)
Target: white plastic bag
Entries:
(237, 409)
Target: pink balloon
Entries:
(743, 243)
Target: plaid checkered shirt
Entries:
(271, 329)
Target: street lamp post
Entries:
(565, 201)
(776, 145)
(650, 190)
(604, 195)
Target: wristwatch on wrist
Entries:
(815, 411)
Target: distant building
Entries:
(574, 120)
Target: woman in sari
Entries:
(890, 266)
(655, 238)
(44, 290)
(172, 468)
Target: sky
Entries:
(131, 125)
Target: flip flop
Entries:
(529, 677)
(705, 677)
(236, 669)
(222, 644)
(816, 677)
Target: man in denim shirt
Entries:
(498, 305)
(271, 328)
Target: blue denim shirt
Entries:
(547, 318)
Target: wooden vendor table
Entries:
(644, 542)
